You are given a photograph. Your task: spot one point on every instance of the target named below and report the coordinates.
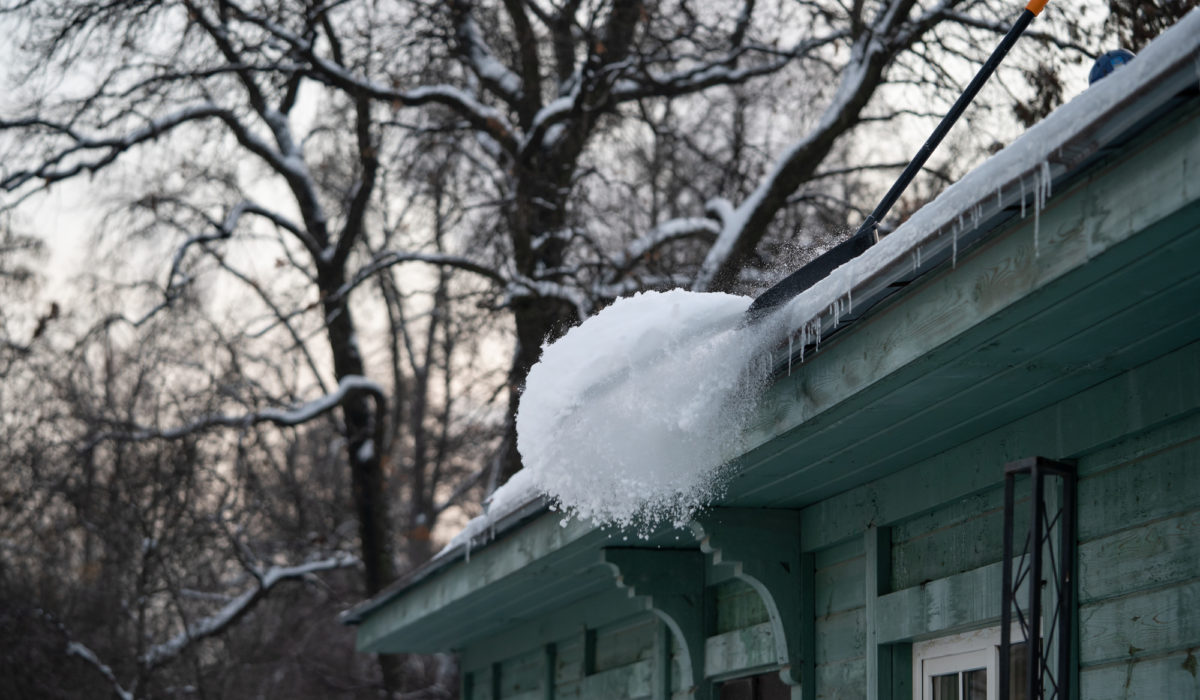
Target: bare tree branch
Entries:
(231, 612)
(347, 387)
(81, 651)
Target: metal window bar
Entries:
(1045, 679)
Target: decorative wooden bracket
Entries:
(672, 581)
(762, 548)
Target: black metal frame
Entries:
(1041, 681)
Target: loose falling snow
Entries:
(627, 419)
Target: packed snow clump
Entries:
(627, 419)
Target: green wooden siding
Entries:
(521, 677)
(625, 644)
(840, 632)
(1139, 565)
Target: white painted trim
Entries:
(966, 651)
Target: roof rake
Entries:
(868, 233)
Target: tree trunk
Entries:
(363, 428)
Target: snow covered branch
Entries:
(723, 71)
(663, 234)
(88, 153)
(219, 621)
(523, 287)
(494, 75)
(351, 385)
(480, 116)
(77, 649)
(558, 111)
(216, 623)
(388, 259)
(745, 226)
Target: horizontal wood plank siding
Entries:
(738, 650)
(1162, 678)
(633, 682)
(1139, 563)
(842, 680)
(840, 621)
(1161, 552)
(626, 643)
(521, 676)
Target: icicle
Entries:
(790, 336)
(850, 299)
(999, 198)
(1037, 211)
(918, 250)
(1037, 217)
(1022, 196)
(954, 250)
(803, 340)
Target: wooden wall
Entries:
(1139, 565)
(1137, 441)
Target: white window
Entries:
(965, 666)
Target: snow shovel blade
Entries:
(868, 234)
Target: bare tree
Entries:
(137, 544)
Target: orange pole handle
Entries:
(1036, 6)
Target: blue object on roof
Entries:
(1108, 62)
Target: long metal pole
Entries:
(1033, 675)
(1006, 589)
(867, 234)
(1066, 620)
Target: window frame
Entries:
(960, 652)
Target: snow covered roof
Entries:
(1016, 181)
(1012, 184)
